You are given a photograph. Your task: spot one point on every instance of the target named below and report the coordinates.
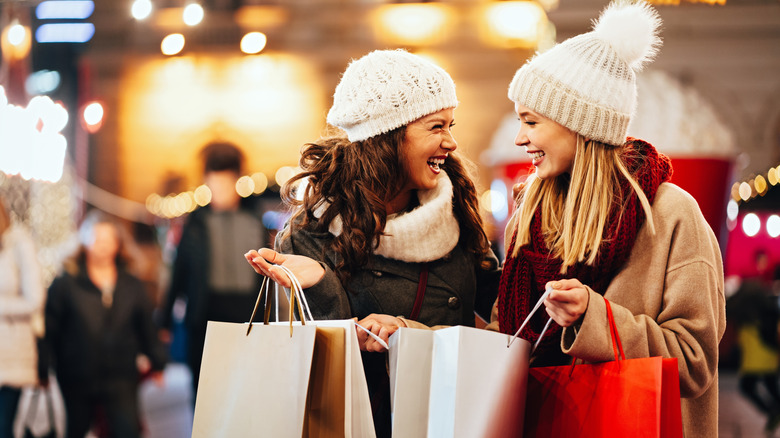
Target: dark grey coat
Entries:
(456, 287)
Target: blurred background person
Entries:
(98, 321)
(21, 304)
(209, 271)
(754, 311)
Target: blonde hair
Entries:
(575, 208)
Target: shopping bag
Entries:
(478, 381)
(255, 382)
(339, 406)
(41, 412)
(456, 382)
(409, 364)
(36, 414)
(620, 398)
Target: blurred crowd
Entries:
(132, 300)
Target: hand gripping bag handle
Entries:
(297, 298)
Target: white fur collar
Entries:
(427, 233)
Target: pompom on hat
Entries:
(588, 82)
(387, 89)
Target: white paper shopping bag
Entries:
(478, 384)
(409, 363)
(255, 384)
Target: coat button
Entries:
(453, 303)
(377, 273)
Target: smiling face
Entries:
(427, 143)
(551, 145)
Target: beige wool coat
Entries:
(21, 302)
(667, 301)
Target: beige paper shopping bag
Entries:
(325, 405)
(358, 421)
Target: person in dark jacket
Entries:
(387, 224)
(98, 320)
(208, 272)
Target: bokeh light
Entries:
(253, 42)
(751, 224)
(172, 44)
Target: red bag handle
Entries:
(616, 344)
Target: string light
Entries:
(177, 204)
(759, 185)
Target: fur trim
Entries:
(427, 233)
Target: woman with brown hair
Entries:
(385, 215)
(98, 320)
(21, 303)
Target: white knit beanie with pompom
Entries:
(588, 83)
(387, 89)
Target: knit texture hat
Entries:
(588, 83)
(387, 89)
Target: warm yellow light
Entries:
(514, 24)
(773, 176)
(193, 14)
(153, 202)
(283, 174)
(744, 191)
(735, 191)
(245, 186)
(261, 16)
(253, 42)
(172, 44)
(760, 184)
(15, 41)
(16, 34)
(412, 23)
(269, 104)
(261, 182)
(202, 195)
(186, 202)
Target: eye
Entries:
(529, 122)
(452, 125)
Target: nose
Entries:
(521, 139)
(449, 142)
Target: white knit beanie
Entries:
(387, 89)
(588, 83)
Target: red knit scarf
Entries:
(524, 277)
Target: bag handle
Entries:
(617, 346)
(296, 298)
(544, 296)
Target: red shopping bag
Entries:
(621, 398)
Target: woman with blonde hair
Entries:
(21, 303)
(599, 220)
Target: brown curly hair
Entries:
(356, 180)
